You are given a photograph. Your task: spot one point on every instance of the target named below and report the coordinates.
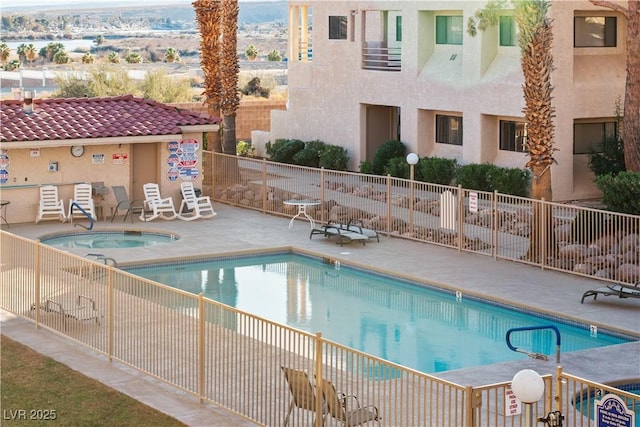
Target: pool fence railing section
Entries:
(572, 239)
(234, 359)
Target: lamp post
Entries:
(528, 387)
(412, 159)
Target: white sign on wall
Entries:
(97, 159)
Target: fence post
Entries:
(201, 352)
(469, 406)
(558, 397)
(319, 381)
(110, 310)
(37, 283)
(264, 186)
(543, 237)
(496, 226)
(460, 217)
(389, 230)
(323, 218)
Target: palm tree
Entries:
(208, 17)
(114, 58)
(172, 55)
(61, 57)
(88, 58)
(251, 52)
(99, 40)
(535, 41)
(229, 70)
(274, 56)
(133, 58)
(30, 53)
(20, 51)
(631, 128)
(5, 53)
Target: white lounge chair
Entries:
(199, 206)
(50, 207)
(82, 201)
(158, 206)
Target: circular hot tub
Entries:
(108, 239)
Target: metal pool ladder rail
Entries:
(532, 354)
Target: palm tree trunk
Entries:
(229, 95)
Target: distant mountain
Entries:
(251, 11)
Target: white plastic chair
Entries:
(200, 206)
(158, 206)
(50, 205)
(83, 198)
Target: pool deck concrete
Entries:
(237, 230)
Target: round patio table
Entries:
(302, 210)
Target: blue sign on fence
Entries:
(611, 411)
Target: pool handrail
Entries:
(90, 227)
(532, 354)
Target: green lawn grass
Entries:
(44, 388)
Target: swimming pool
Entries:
(108, 239)
(422, 328)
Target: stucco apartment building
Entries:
(363, 72)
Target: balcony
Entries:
(379, 57)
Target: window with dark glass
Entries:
(398, 28)
(588, 137)
(449, 130)
(594, 31)
(449, 29)
(512, 136)
(337, 27)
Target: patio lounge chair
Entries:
(200, 206)
(130, 206)
(302, 391)
(50, 205)
(620, 290)
(349, 415)
(85, 309)
(83, 198)
(337, 230)
(355, 225)
(158, 206)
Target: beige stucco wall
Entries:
(482, 82)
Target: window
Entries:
(449, 29)
(512, 136)
(398, 28)
(590, 136)
(508, 31)
(594, 31)
(337, 27)
(449, 130)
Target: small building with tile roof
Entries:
(120, 140)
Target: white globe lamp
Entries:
(528, 387)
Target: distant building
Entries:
(361, 73)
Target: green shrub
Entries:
(610, 160)
(245, 149)
(283, 150)
(621, 193)
(310, 154)
(366, 167)
(334, 157)
(397, 167)
(476, 176)
(387, 151)
(513, 181)
(436, 170)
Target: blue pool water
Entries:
(107, 239)
(422, 328)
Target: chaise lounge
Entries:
(620, 290)
(338, 230)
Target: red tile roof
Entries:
(77, 118)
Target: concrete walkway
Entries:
(235, 230)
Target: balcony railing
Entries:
(381, 58)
